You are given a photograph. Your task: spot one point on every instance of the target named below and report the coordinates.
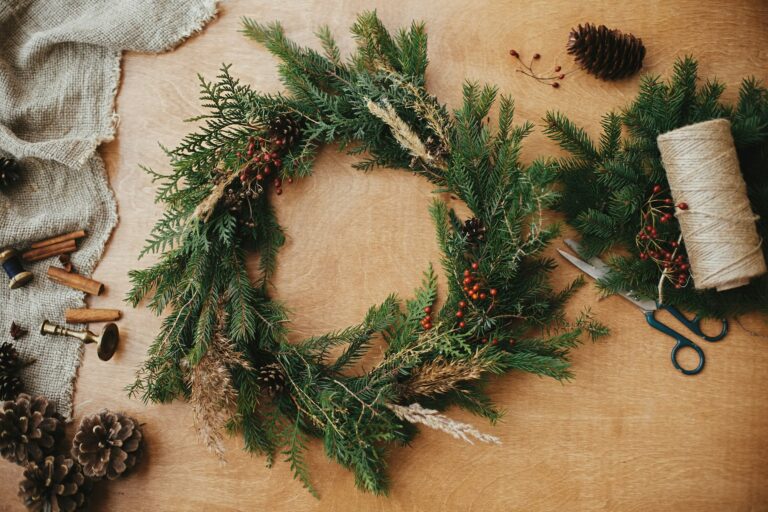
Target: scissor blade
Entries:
(594, 261)
(582, 265)
(600, 270)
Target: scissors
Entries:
(597, 269)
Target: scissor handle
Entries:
(681, 342)
(695, 324)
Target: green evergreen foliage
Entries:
(375, 105)
(605, 185)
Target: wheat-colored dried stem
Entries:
(212, 394)
(442, 376)
(417, 414)
(403, 133)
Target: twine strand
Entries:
(724, 248)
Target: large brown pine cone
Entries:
(56, 483)
(29, 429)
(606, 53)
(107, 444)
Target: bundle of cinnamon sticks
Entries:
(62, 246)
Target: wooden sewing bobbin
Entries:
(11, 263)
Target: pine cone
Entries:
(9, 359)
(10, 386)
(56, 483)
(107, 444)
(29, 429)
(474, 230)
(10, 173)
(271, 378)
(285, 130)
(607, 54)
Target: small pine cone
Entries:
(271, 378)
(10, 172)
(607, 54)
(9, 359)
(285, 129)
(10, 386)
(29, 429)
(55, 483)
(474, 230)
(107, 444)
(435, 148)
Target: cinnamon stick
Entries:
(48, 251)
(86, 315)
(75, 235)
(75, 281)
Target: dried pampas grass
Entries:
(415, 413)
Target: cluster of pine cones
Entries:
(106, 445)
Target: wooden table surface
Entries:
(629, 433)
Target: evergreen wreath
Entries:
(223, 344)
(616, 191)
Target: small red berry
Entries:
(475, 266)
(483, 296)
(493, 292)
(557, 68)
(656, 189)
(267, 157)
(279, 191)
(428, 310)
(466, 273)
(560, 76)
(484, 340)
(683, 206)
(555, 85)
(536, 56)
(459, 314)
(462, 304)
(290, 180)
(514, 53)
(462, 325)
(259, 177)
(495, 341)
(476, 288)
(475, 296)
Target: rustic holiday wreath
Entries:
(223, 344)
(617, 196)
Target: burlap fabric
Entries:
(59, 74)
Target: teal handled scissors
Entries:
(595, 268)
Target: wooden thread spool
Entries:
(11, 263)
(718, 224)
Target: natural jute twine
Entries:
(718, 226)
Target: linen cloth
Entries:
(59, 74)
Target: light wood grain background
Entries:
(628, 434)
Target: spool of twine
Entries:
(718, 226)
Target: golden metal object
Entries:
(106, 342)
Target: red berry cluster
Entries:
(426, 322)
(263, 158)
(527, 70)
(663, 246)
(473, 287)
